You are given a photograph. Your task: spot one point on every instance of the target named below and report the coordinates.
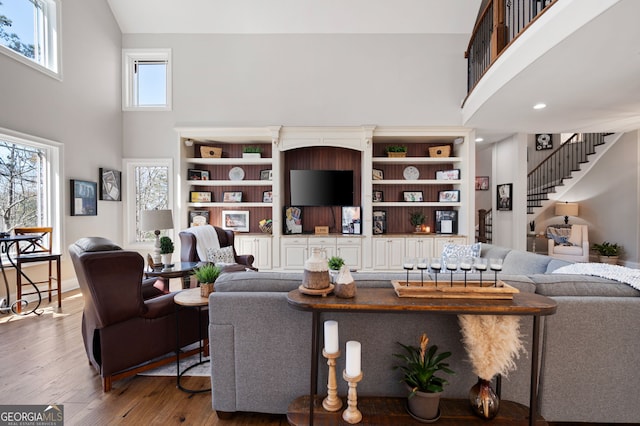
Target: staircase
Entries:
(560, 165)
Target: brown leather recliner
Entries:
(188, 252)
(123, 325)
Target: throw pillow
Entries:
(559, 235)
(460, 251)
(221, 256)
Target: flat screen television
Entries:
(321, 187)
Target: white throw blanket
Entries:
(206, 237)
(604, 270)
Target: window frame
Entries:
(51, 42)
(129, 59)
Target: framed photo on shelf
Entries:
(413, 196)
(446, 222)
(232, 196)
(351, 222)
(377, 174)
(195, 174)
(453, 174)
(200, 197)
(235, 220)
(504, 201)
(452, 196)
(266, 174)
(379, 222)
(378, 196)
(84, 198)
(292, 220)
(198, 217)
(110, 185)
(482, 183)
(267, 197)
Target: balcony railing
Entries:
(498, 25)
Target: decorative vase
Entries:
(166, 259)
(316, 270)
(484, 401)
(424, 406)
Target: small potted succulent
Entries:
(335, 263)
(251, 151)
(608, 252)
(207, 275)
(419, 368)
(396, 150)
(166, 250)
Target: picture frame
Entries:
(84, 197)
(200, 196)
(232, 197)
(110, 185)
(504, 201)
(195, 174)
(351, 220)
(378, 196)
(446, 221)
(413, 196)
(292, 220)
(266, 174)
(198, 217)
(482, 183)
(379, 222)
(453, 174)
(267, 196)
(450, 196)
(235, 220)
(377, 174)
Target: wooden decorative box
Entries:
(455, 290)
(440, 151)
(210, 152)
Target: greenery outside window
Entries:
(146, 79)
(29, 33)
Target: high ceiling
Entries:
(582, 58)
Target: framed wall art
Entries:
(195, 174)
(351, 222)
(198, 217)
(379, 222)
(110, 185)
(413, 196)
(232, 197)
(84, 198)
(200, 197)
(446, 222)
(482, 183)
(267, 196)
(292, 220)
(235, 220)
(377, 174)
(504, 197)
(378, 196)
(453, 174)
(266, 174)
(452, 196)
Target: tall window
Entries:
(29, 181)
(146, 79)
(29, 33)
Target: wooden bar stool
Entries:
(39, 250)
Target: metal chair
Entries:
(39, 250)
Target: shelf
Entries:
(413, 203)
(231, 205)
(230, 161)
(416, 160)
(416, 182)
(230, 182)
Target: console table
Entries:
(384, 300)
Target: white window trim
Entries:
(55, 156)
(52, 40)
(129, 204)
(129, 57)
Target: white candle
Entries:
(353, 358)
(331, 345)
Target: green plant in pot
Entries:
(335, 263)
(166, 250)
(251, 151)
(396, 150)
(608, 252)
(419, 368)
(207, 275)
(417, 219)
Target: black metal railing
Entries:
(484, 234)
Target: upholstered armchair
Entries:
(568, 242)
(125, 323)
(189, 246)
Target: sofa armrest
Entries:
(246, 259)
(159, 306)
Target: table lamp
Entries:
(566, 209)
(156, 220)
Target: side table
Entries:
(190, 298)
(182, 270)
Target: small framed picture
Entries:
(453, 174)
(232, 197)
(195, 174)
(84, 198)
(482, 183)
(379, 222)
(292, 220)
(198, 217)
(446, 222)
(413, 196)
(504, 196)
(200, 197)
(378, 174)
(267, 197)
(266, 174)
(378, 196)
(351, 222)
(235, 220)
(110, 185)
(452, 196)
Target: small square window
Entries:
(146, 79)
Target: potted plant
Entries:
(417, 219)
(251, 151)
(166, 250)
(335, 263)
(608, 253)
(419, 369)
(207, 275)
(396, 150)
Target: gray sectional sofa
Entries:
(260, 346)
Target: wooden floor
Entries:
(43, 361)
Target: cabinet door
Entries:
(294, 253)
(351, 251)
(326, 243)
(419, 247)
(388, 253)
(259, 247)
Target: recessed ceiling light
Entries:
(539, 106)
(479, 139)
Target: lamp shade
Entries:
(567, 209)
(153, 220)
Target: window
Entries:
(149, 186)
(29, 33)
(146, 79)
(29, 182)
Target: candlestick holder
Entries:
(352, 415)
(331, 402)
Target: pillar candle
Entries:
(331, 345)
(353, 358)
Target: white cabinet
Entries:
(295, 250)
(388, 253)
(257, 245)
(419, 247)
(326, 243)
(350, 250)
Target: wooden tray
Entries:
(455, 290)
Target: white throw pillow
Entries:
(460, 251)
(222, 255)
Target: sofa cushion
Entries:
(523, 262)
(489, 251)
(555, 264)
(93, 244)
(580, 285)
(258, 281)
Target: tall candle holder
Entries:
(436, 265)
(352, 415)
(421, 264)
(452, 265)
(331, 402)
(408, 265)
(480, 265)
